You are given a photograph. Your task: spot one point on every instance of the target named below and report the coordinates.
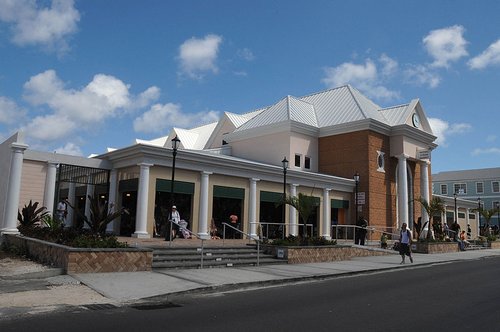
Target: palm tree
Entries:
(487, 215)
(436, 205)
(305, 205)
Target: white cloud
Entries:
(490, 57)
(10, 112)
(422, 75)
(161, 117)
(32, 24)
(363, 77)
(389, 65)
(442, 130)
(198, 56)
(479, 151)
(50, 127)
(103, 98)
(69, 148)
(491, 138)
(446, 45)
(246, 54)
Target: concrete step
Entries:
(215, 263)
(212, 257)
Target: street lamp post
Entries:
(479, 211)
(175, 145)
(498, 213)
(356, 180)
(285, 167)
(455, 197)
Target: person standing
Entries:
(174, 217)
(234, 222)
(404, 243)
(362, 224)
(62, 211)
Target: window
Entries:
(495, 204)
(460, 188)
(479, 187)
(297, 160)
(444, 189)
(381, 161)
(495, 186)
(307, 162)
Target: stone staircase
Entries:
(190, 258)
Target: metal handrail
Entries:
(249, 236)
(190, 233)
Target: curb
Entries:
(52, 272)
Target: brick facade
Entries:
(344, 154)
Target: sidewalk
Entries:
(23, 295)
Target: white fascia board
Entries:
(66, 159)
(365, 124)
(225, 165)
(450, 200)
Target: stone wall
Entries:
(83, 260)
(435, 247)
(321, 254)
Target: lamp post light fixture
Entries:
(285, 167)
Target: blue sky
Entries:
(81, 76)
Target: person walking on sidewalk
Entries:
(404, 243)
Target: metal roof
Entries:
(324, 109)
(472, 174)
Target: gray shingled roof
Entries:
(472, 174)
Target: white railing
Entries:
(249, 236)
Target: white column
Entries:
(252, 207)
(112, 198)
(327, 223)
(203, 214)
(50, 187)
(424, 186)
(89, 192)
(14, 189)
(72, 202)
(293, 228)
(141, 217)
(402, 191)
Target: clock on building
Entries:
(415, 120)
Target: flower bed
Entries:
(321, 254)
(83, 260)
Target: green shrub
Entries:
(96, 241)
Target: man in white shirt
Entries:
(62, 211)
(175, 217)
(404, 243)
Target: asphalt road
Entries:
(455, 297)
